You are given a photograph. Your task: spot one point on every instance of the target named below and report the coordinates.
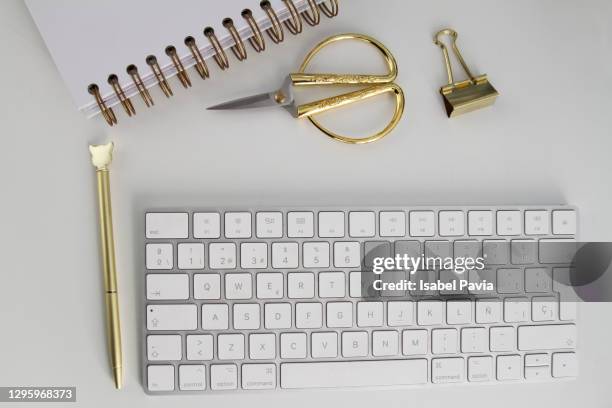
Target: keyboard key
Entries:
(430, 312)
(509, 280)
(474, 340)
(444, 341)
(246, 316)
(392, 223)
(480, 223)
(300, 285)
(458, 311)
(516, 309)
(262, 346)
(537, 373)
(355, 344)
(447, 370)
(269, 224)
(172, 317)
(167, 225)
(369, 314)
(259, 376)
(192, 377)
(524, 251)
(539, 359)
(285, 255)
(451, 223)
(238, 286)
(253, 255)
(547, 337)
(414, 342)
(230, 346)
(160, 378)
(207, 286)
(422, 224)
(362, 224)
(332, 284)
(557, 250)
(508, 368)
(564, 365)
(223, 377)
(162, 286)
(502, 338)
(509, 223)
(373, 250)
(270, 286)
(206, 225)
(199, 347)
(237, 225)
(324, 345)
(277, 315)
(308, 315)
(159, 256)
(222, 255)
(339, 314)
(353, 374)
(544, 308)
(331, 224)
(316, 255)
(164, 347)
(300, 224)
(480, 368)
(488, 311)
(564, 222)
(537, 222)
(191, 256)
(384, 343)
(400, 313)
(347, 254)
(496, 251)
(215, 317)
(293, 345)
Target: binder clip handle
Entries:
(449, 71)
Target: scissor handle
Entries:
(380, 84)
(301, 78)
(312, 108)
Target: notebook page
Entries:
(90, 40)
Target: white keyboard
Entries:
(271, 299)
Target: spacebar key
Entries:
(353, 373)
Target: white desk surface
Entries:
(547, 140)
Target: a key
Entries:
(564, 365)
(164, 347)
(503, 338)
(293, 345)
(474, 340)
(300, 224)
(547, 337)
(392, 223)
(400, 313)
(384, 343)
(253, 255)
(206, 225)
(270, 285)
(332, 284)
(538, 280)
(339, 314)
(537, 222)
(324, 345)
(523, 251)
(564, 222)
(162, 286)
(277, 315)
(167, 225)
(516, 309)
(369, 314)
(509, 223)
(199, 347)
(544, 308)
(509, 280)
(159, 256)
(508, 367)
(284, 255)
(237, 225)
(355, 344)
(316, 254)
(451, 223)
(480, 223)
(215, 317)
(223, 377)
(259, 376)
(496, 251)
(444, 341)
(160, 378)
(222, 255)
(331, 224)
(300, 285)
(480, 368)
(207, 286)
(488, 311)
(238, 286)
(414, 342)
(362, 224)
(192, 377)
(191, 256)
(458, 311)
(230, 346)
(346, 254)
(269, 224)
(430, 312)
(447, 370)
(246, 316)
(172, 317)
(262, 346)
(308, 315)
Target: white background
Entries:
(547, 140)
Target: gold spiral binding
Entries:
(107, 112)
(151, 61)
(200, 64)
(329, 12)
(220, 56)
(238, 48)
(132, 71)
(178, 65)
(113, 80)
(276, 31)
(256, 40)
(315, 18)
(295, 24)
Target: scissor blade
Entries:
(263, 100)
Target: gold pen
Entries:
(101, 157)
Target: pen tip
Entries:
(118, 376)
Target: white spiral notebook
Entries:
(110, 52)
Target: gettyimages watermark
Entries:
(574, 271)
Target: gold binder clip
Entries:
(467, 95)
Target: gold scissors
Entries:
(376, 85)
